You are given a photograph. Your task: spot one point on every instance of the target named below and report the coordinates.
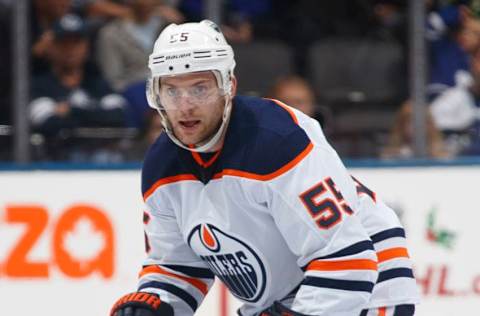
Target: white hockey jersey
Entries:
(275, 216)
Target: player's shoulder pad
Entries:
(266, 136)
(161, 161)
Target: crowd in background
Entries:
(346, 66)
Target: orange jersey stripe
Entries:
(232, 172)
(392, 253)
(167, 180)
(354, 264)
(201, 286)
(382, 311)
(200, 161)
(286, 108)
(265, 177)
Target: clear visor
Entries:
(172, 97)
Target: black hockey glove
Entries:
(141, 304)
(278, 309)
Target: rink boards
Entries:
(72, 241)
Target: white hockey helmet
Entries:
(186, 48)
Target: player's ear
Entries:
(234, 86)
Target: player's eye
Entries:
(199, 91)
(172, 92)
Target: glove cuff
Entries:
(143, 300)
(278, 309)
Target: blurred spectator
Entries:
(454, 33)
(389, 20)
(5, 65)
(457, 113)
(318, 19)
(295, 91)
(123, 48)
(44, 13)
(241, 18)
(304, 22)
(298, 93)
(401, 140)
(68, 96)
(248, 20)
(5, 83)
(106, 9)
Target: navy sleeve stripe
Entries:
(399, 310)
(395, 273)
(389, 233)
(404, 310)
(350, 250)
(175, 290)
(345, 285)
(194, 272)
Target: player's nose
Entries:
(184, 104)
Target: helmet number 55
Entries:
(178, 37)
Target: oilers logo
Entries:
(234, 262)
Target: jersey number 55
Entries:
(325, 210)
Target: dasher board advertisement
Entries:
(439, 208)
(73, 242)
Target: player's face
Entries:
(194, 105)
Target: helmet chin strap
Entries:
(206, 147)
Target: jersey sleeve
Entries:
(314, 205)
(171, 269)
(390, 243)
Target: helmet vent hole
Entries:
(170, 68)
(187, 66)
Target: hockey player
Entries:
(248, 190)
